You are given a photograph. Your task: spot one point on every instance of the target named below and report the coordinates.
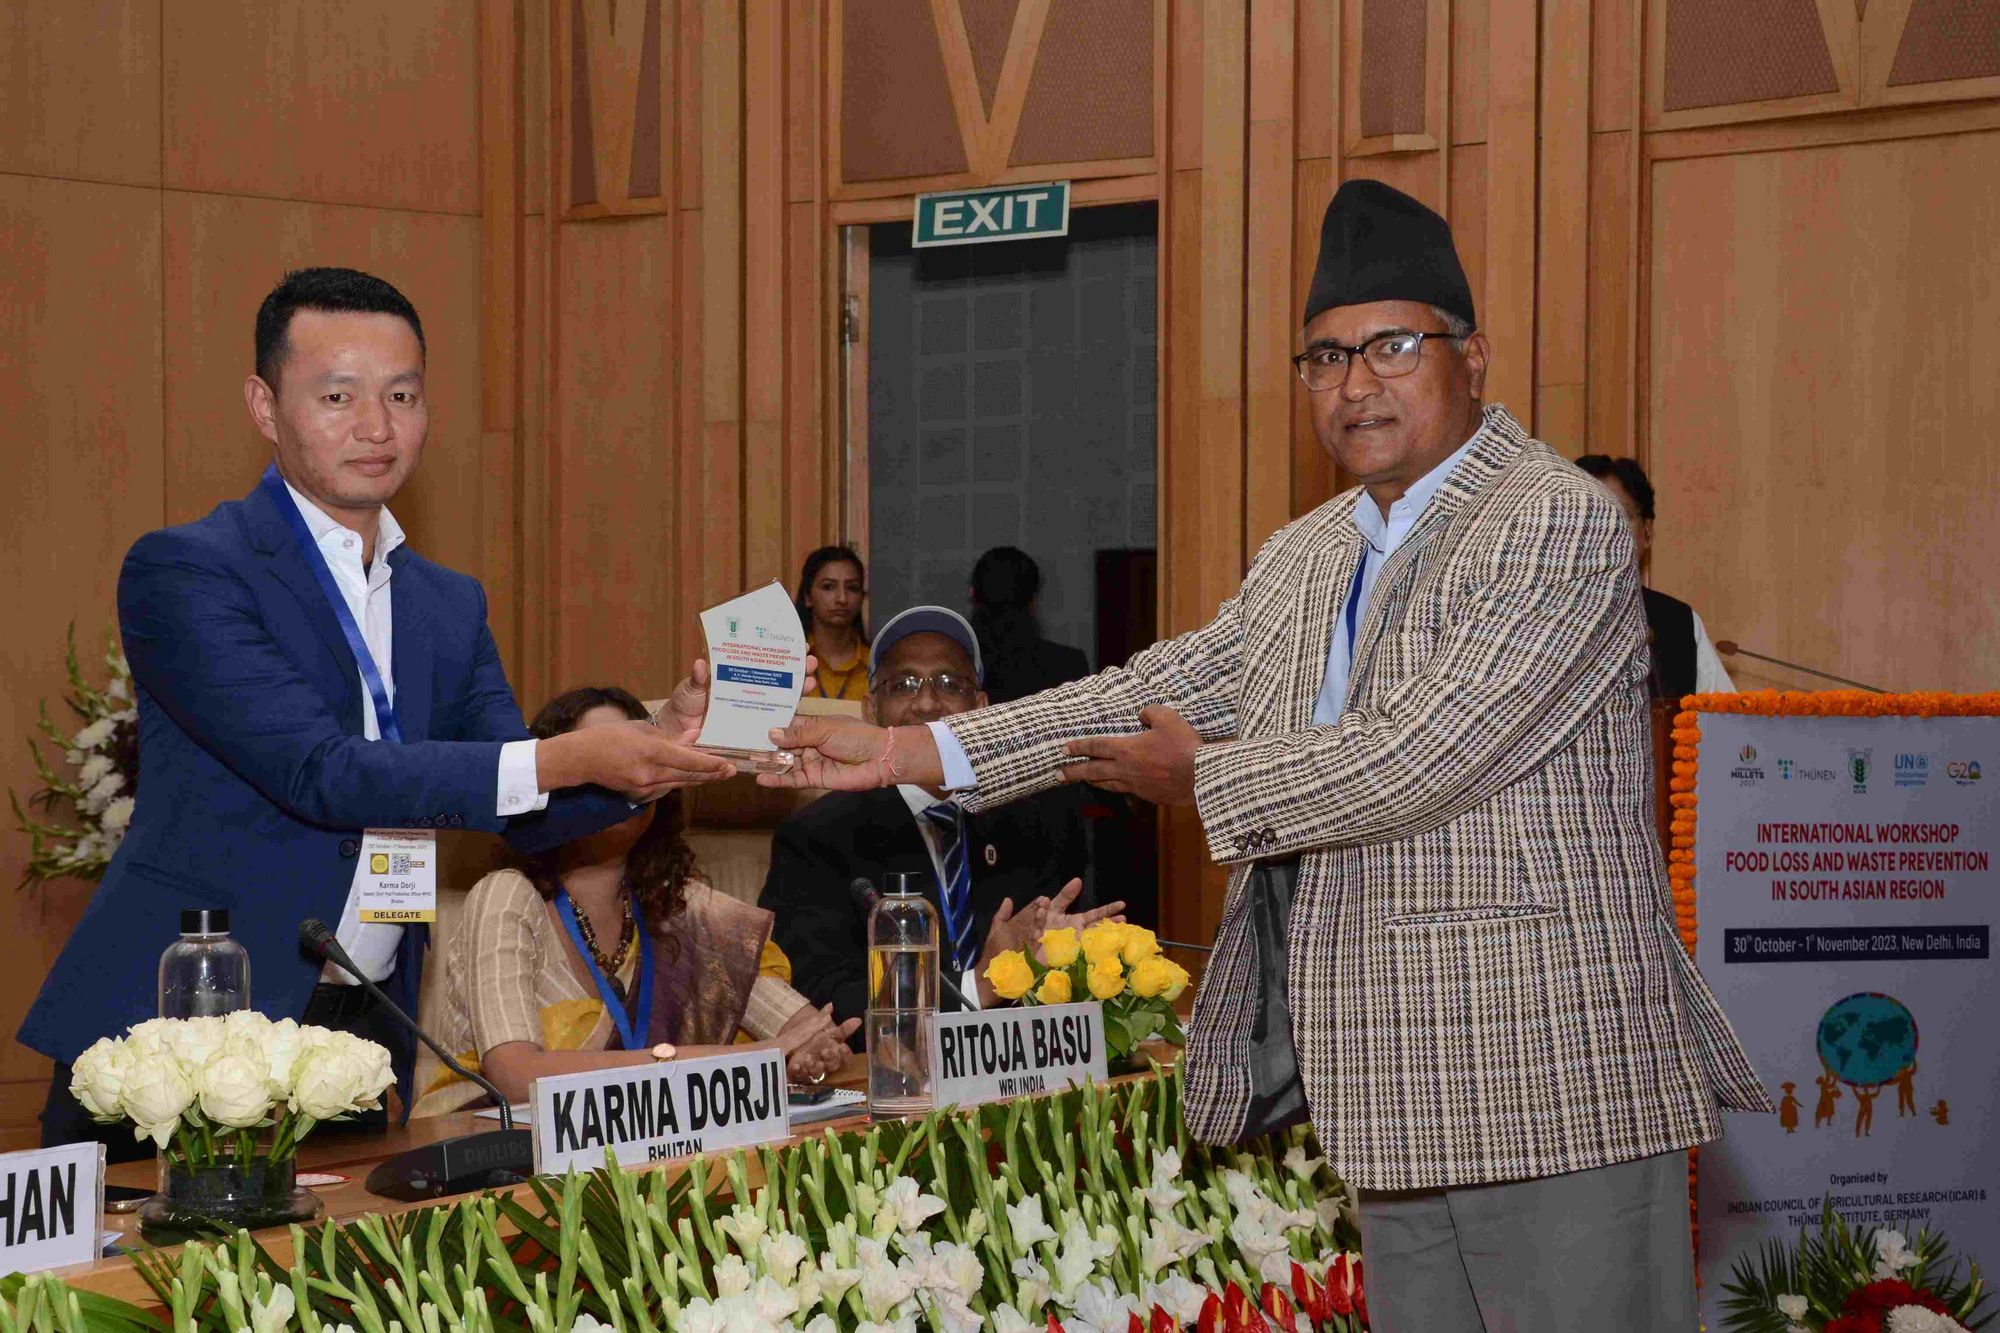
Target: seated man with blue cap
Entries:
(996, 879)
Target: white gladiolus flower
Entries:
(731, 1275)
(911, 1207)
(1892, 1253)
(885, 1287)
(1257, 1244)
(1792, 1307)
(95, 734)
(1006, 1319)
(1103, 1306)
(234, 1091)
(97, 1079)
(835, 1281)
(1036, 1287)
(1162, 1193)
(905, 1324)
(155, 1094)
(1302, 1166)
(1328, 1213)
(1179, 1297)
(1025, 1220)
(117, 816)
(93, 770)
(782, 1253)
(1076, 1258)
(745, 1226)
(590, 1323)
(772, 1301)
(821, 1323)
(274, 1316)
(1166, 1243)
(975, 1226)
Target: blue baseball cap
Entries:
(926, 620)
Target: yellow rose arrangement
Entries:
(1118, 964)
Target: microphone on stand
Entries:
(1730, 649)
(457, 1165)
(865, 897)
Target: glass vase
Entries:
(220, 1199)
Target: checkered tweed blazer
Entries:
(1486, 983)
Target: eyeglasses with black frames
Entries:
(1389, 354)
(944, 684)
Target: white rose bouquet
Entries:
(204, 1089)
(102, 758)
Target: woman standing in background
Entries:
(832, 588)
(1019, 661)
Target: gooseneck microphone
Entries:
(457, 1165)
(865, 897)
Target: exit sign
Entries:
(1010, 213)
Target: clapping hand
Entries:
(814, 1044)
(1022, 930)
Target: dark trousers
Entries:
(342, 1008)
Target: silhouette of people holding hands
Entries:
(1829, 1093)
(1788, 1109)
(1864, 1109)
(1906, 1090)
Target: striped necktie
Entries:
(949, 821)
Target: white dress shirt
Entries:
(1710, 676)
(919, 801)
(372, 945)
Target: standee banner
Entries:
(1845, 892)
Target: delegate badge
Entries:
(398, 876)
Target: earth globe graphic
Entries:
(1867, 1039)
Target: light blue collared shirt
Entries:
(1383, 533)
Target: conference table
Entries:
(353, 1155)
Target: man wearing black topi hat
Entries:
(1419, 736)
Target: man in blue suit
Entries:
(279, 648)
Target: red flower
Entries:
(1314, 1297)
(1881, 1297)
(1278, 1309)
(1162, 1322)
(1054, 1327)
(1343, 1285)
(1856, 1323)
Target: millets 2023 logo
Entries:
(1747, 773)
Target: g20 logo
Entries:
(1964, 772)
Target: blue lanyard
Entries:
(1354, 610)
(385, 712)
(632, 1027)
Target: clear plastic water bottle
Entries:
(902, 1000)
(205, 973)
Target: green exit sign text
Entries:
(1011, 213)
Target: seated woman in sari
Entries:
(548, 971)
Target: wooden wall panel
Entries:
(77, 261)
(613, 455)
(80, 89)
(1827, 497)
(365, 102)
(223, 254)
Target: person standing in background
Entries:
(1684, 661)
(832, 587)
(1019, 661)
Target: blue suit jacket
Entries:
(254, 777)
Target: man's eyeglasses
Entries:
(945, 685)
(1388, 354)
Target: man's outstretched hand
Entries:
(1156, 765)
(844, 754)
(687, 708)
